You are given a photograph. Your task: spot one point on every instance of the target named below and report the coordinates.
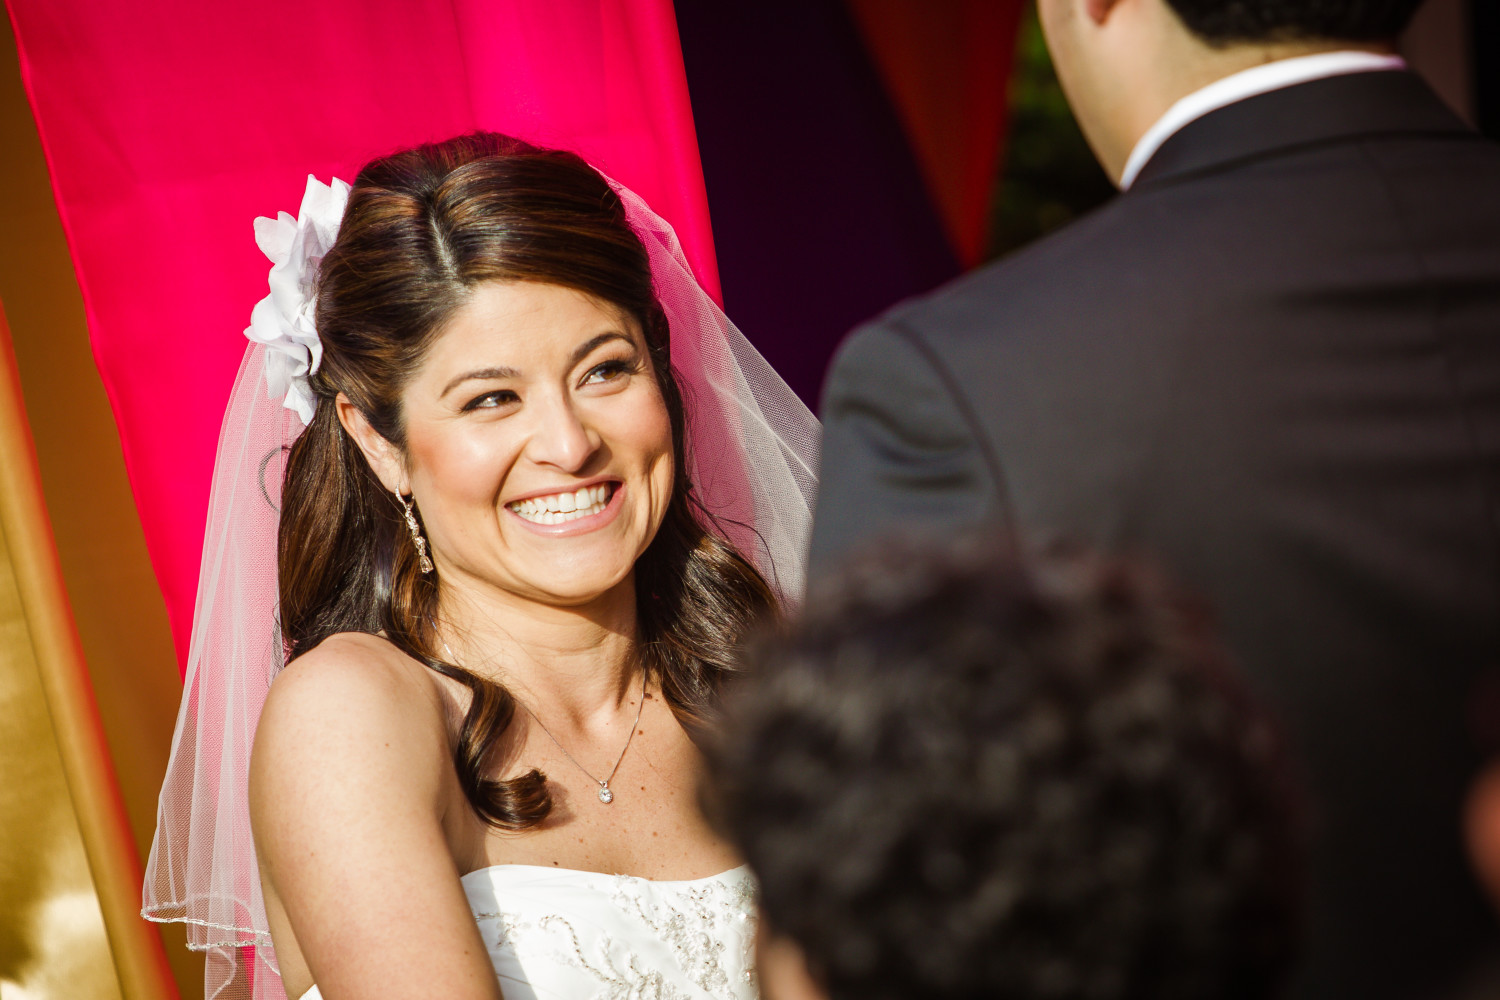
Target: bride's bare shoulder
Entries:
(353, 672)
(353, 710)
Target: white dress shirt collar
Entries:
(1249, 83)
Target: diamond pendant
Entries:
(605, 795)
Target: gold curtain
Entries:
(52, 938)
(70, 926)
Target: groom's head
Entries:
(1122, 63)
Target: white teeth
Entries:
(559, 508)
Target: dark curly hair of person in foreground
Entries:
(958, 774)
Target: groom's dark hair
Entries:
(961, 774)
(1226, 22)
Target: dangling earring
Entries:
(416, 533)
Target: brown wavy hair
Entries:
(423, 227)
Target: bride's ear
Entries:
(383, 456)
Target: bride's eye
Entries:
(491, 400)
(608, 371)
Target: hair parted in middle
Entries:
(422, 228)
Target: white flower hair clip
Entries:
(283, 320)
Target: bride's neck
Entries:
(578, 661)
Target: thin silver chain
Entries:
(605, 795)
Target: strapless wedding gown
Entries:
(560, 934)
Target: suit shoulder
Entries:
(901, 445)
(884, 345)
(1036, 280)
(876, 360)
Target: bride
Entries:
(542, 490)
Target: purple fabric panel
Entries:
(821, 218)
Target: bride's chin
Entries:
(571, 585)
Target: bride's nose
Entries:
(561, 438)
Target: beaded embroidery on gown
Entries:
(561, 934)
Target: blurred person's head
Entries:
(961, 775)
(1123, 63)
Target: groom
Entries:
(1273, 363)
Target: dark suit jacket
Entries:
(1274, 364)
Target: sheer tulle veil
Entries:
(752, 457)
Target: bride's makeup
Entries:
(539, 446)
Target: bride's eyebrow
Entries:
(479, 373)
(583, 350)
(588, 346)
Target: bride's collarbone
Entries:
(651, 827)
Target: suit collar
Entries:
(1327, 110)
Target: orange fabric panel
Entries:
(946, 64)
(52, 939)
(140, 962)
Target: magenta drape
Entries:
(170, 125)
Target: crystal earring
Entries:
(416, 533)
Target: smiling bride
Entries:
(516, 548)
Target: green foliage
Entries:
(1049, 176)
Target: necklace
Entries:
(605, 795)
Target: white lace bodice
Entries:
(561, 934)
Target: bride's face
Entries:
(538, 445)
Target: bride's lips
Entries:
(577, 525)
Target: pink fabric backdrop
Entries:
(170, 125)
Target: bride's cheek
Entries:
(661, 465)
(473, 467)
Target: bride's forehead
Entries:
(526, 319)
